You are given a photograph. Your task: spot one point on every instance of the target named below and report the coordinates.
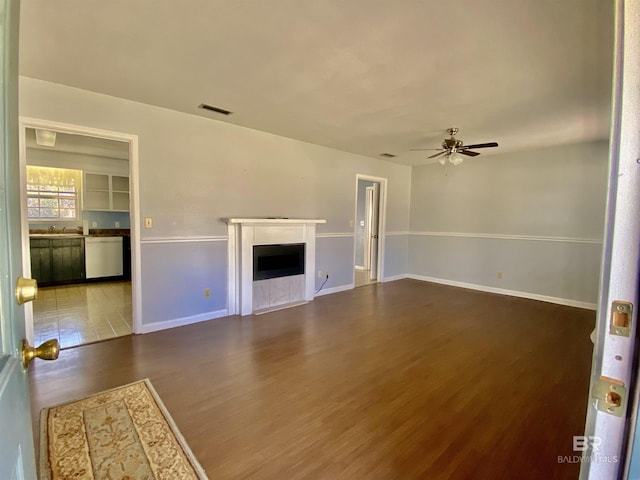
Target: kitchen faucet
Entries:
(52, 228)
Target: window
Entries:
(53, 193)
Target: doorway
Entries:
(79, 236)
(368, 230)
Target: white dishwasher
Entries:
(103, 257)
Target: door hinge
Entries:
(610, 396)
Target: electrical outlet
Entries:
(148, 222)
(207, 292)
(319, 273)
(94, 224)
(499, 275)
(117, 224)
(326, 274)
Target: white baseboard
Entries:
(180, 322)
(503, 291)
(339, 288)
(395, 277)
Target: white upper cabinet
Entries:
(107, 192)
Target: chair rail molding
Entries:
(185, 239)
(501, 236)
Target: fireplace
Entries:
(271, 263)
(274, 261)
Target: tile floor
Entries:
(84, 313)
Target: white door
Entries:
(368, 226)
(16, 440)
(612, 409)
(374, 230)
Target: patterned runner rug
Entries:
(124, 433)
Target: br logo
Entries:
(581, 443)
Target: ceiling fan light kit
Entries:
(452, 148)
(453, 158)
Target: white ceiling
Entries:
(365, 76)
(81, 144)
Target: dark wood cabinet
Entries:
(41, 260)
(55, 261)
(67, 258)
(126, 257)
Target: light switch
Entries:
(117, 224)
(94, 224)
(148, 222)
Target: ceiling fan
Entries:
(451, 147)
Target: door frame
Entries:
(615, 356)
(134, 203)
(382, 223)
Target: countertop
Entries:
(94, 232)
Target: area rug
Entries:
(125, 433)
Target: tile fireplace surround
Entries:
(244, 233)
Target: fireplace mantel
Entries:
(244, 233)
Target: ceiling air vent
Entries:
(387, 155)
(211, 108)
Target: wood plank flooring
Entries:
(402, 380)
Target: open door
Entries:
(608, 448)
(373, 195)
(369, 228)
(17, 460)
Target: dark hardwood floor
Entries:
(403, 380)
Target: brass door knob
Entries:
(49, 350)
(26, 290)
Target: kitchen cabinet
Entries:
(55, 261)
(126, 257)
(119, 193)
(106, 192)
(67, 260)
(40, 249)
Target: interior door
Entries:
(612, 409)
(16, 440)
(368, 227)
(375, 214)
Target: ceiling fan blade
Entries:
(418, 149)
(481, 145)
(468, 153)
(438, 154)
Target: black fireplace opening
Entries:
(273, 261)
